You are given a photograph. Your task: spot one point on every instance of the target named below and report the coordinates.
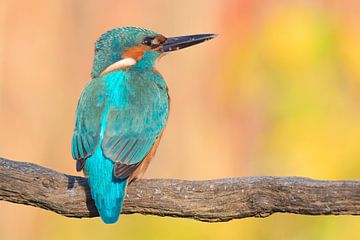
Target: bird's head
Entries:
(136, 48)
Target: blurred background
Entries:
(277, 93)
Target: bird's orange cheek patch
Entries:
(136, 52)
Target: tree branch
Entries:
(210, 201)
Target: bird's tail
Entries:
(107, 191)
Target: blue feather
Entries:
(107, 191)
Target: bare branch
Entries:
(211, 201)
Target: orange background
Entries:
(277, 93)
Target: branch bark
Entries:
(210, 201)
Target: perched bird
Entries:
(122, 112)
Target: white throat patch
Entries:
(122, 64)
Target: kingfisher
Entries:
(122, 112)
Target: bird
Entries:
(122, 112)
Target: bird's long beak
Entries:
(176, 43)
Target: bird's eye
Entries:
(149, 41)
(154, 42)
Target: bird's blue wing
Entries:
(89, 114)
(132, 130)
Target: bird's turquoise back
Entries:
(119, 118)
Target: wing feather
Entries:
(88, 121)
(132, 130)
